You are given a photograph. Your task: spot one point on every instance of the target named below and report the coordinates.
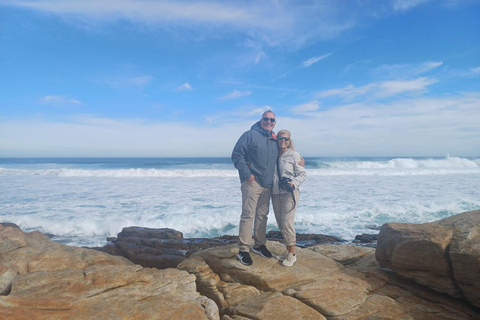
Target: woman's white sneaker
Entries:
(289, 260)
(282, 256)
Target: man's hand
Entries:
(302, 162)
(251, 179)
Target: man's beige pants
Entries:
(255, 203)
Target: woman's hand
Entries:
(302, 162)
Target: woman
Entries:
(285, 197)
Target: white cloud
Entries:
(270, 22)
(380, 89)
(185, 86)
(260, 56)
(59, 101)
(407, 127)
(235, 94)
(142, 80)
(119, 82)
(313, 60)
(404, 5)
(404, 71)
(476, 70)
(306, 107)
(391, 88)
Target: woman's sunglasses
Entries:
(283, 138)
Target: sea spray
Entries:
(83, 201)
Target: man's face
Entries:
(268, 125)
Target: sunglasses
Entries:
(283, 138)
(271, 119)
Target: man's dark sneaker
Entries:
(245, 258)
(263, 251)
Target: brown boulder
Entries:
(444, 255)
(315, 287)
(41, 279)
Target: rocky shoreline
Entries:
(417, 271)
(166, 248)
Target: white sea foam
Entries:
(449, 162)
(83, 206)
(393, 167)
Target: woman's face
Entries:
(283, 141)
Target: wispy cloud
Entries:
(391, 88)
(313, 60)
(306, 107)
(235, 94)
(404, 71)
(476, 70)
(404, 5)
(185, 86)
(412, 126)
(380, 89)
(260, 56)
(119, 82)
(269, 22)
(59, 101)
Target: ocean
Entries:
(82, 201)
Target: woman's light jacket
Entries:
(289, 168)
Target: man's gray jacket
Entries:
(256, 153)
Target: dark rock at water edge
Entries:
(366, 238)
(166, 248)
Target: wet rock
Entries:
(366, 238)
(305, 239)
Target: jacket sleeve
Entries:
(300, 173)
(239, 156)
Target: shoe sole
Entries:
(260, 253)
(244, 263)
(289, 265)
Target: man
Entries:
(255, 155)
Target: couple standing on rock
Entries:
(268, 167)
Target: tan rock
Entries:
(464, 254)
(344, 254)
(315, 281)
(444, 255)
(11, 238)
(268, 274)
(42, 279)
(377, 307)
(77, 283)
(331, 297)
(273, 306)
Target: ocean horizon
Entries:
(84, 200)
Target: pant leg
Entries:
(251, 192)
(261, 218)
(288, 217)
(277, 210)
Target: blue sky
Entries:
(187, 78)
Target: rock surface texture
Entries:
(443, 255)
(166, 248)
(335, 282)
(41, 279)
